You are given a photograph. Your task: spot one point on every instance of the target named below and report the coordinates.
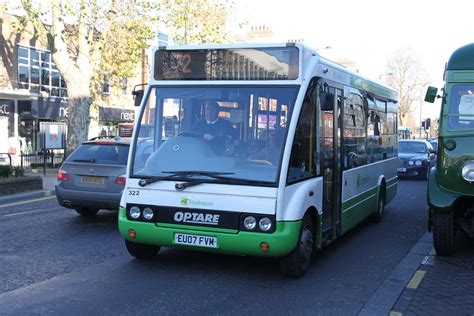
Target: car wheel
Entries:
(296, 263)
(141, 251)
(87, 211)
(443, 233)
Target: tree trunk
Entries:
(78, 114)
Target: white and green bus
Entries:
(310, 151)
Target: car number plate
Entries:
(195, 240)
(402, 169)
(93, 180)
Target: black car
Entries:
(415, 157)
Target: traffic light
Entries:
(423, 124)
(427, 123)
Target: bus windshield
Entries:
(236, 132)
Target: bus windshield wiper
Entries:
(84, 160)
(182, 174)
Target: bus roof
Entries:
(306, 54)
(462, 58)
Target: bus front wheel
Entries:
(296, 263)
(141, 251)
(443, 233)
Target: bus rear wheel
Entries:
(378, 216)
(443, 233)
(141, 251)
(296, 263)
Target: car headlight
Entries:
(147, 213)
(468, 171)
(411, 162)
(418, 162)
(265, 224)
(250, 222)
(134, 212)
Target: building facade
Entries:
(33, 91)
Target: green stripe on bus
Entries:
(346, 205)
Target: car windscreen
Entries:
(112, 154)
(412, 148)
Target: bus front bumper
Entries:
(281, 242)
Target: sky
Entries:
(370, 31)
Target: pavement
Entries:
(49, 181)
(421, 284)
(426, 284)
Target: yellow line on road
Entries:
(394, 313)
(26, 202)
(416, 279)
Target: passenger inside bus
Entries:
(214, 129)
(269, 152)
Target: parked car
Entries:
(93, 176)
(416, 157)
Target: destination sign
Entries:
(273, 63)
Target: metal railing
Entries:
(48, 159)
(3, 159)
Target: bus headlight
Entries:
(411, 162)
(468, 171)
(250, 222)
(147, 213)
(418, 162)
(265, 224)
(134, 212)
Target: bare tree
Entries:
(408, 77)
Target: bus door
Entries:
(331, 162)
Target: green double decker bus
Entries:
(451, 182)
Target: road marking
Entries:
(26, 212)
(26, 202)
(394, 313)
(416, 279)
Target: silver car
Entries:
(93, 176)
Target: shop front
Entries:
(115, 121)
(7, 121)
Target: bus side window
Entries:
(302, 164)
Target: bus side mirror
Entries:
(327, 101)
(431, 94)
(138, 96)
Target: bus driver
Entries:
(214, 129)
